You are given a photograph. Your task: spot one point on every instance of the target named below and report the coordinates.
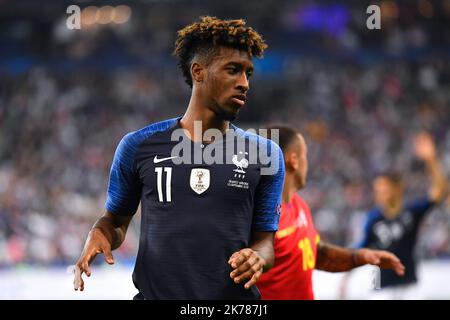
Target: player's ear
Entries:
(295, 160)
(197, 73)
(292, 160)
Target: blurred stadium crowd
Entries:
(359, 96)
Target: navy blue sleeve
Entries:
(420, 207)
(367, 231)
(124, 189)
(267, 204)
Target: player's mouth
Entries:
(239, 99)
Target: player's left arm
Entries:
(333, 258)
(425, 150)
(250, 263)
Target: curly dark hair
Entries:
(205, 36)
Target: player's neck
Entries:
(197, 112)
(289, 189)
(392, 210)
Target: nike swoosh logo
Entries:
(156, 160)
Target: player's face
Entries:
(296, 158)
(227, 82)
(386, 192)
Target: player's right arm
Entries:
(333, 258)
(425, 150)
(106, 235)
(122, 201)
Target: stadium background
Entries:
(68, 96)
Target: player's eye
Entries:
(232, 70)
(249, 74)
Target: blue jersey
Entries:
(194, 216)
(398, 236)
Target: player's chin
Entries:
(229, 112)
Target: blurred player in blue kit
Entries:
(394, 225)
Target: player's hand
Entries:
(383, 259)
(424, 146)
(96, 243)
(247, 264)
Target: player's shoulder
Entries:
(131, 141)
(374, 215)
(300, 201)
(134, 138)
(151, 129)
(419, 205)
(418, 202)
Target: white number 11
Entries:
(168, 171)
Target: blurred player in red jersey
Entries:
(298, 248)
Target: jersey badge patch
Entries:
(200, 180)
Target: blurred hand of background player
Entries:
(96, 243)
(425, 148)
(247, 263)
(383, 259)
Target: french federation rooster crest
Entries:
(240, 164)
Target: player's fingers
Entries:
(372, 258)
(238, 260)
(232, 258)
(78, 283)
(108, 256)
(81, 287)
(85, 267)
(258, 266)
(242, 256)
(244, 267)
(391, 261)
(393, 257)
(388, 257)
(246, 275)
(90, 256)
(253, 280)
(247, 252)
(399, 268)
(395, 264)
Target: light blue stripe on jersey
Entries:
(124, 189)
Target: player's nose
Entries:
(243, 84)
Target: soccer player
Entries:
(298, 248)
(207, 229)
(393, 225)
